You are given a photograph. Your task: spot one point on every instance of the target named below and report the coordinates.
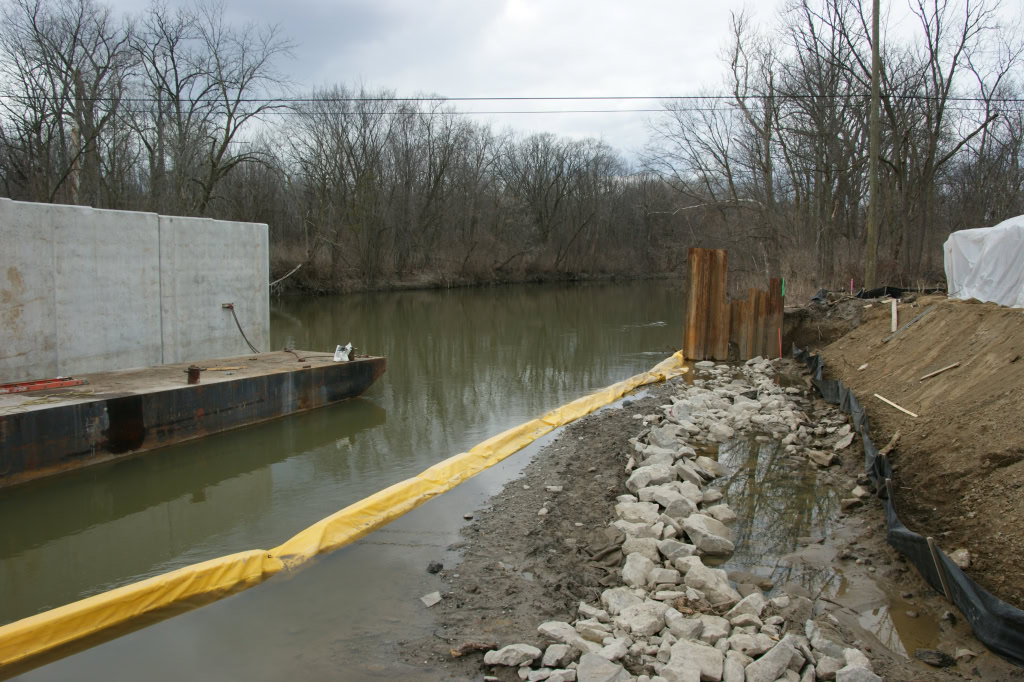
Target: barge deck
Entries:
(126, 412)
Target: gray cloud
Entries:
(509, 48)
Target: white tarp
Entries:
(987, 263)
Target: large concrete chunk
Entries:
(644, 619)
(558, 631)
(771, 666)
(636, 570)
(619, 598)
(708, 658)
(638, 512)
(594, 668)
(709, 535)
(753, 604)
(666, 436)
(512, 655)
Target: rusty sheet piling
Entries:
(720, 329)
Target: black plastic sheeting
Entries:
(997, 624)
(880, 292)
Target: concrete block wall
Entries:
(86, 290)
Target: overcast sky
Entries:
(459, 48)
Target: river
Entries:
(462, 365)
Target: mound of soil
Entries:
(959, 465)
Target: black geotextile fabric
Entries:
(998, 624)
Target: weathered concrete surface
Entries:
(85, 290)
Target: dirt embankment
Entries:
(959, 465)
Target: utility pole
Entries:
(871, 249)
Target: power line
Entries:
(283, 101)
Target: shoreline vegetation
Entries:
(184, 111)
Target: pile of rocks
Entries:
(674, 619)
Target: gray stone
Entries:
(539, 674)
(709, 659)
(711, 466)
(828, 667)
(715, 628)
(645, 619)
(638, 512)
(680, 670)
(685, 563)
(639, 530)
(709, 535)
(721, 432)
(822, 459)
(746, 620)
(856, 674)
(592, 630)
(636, 570)
(688, 474)
(721, 512)
(594, 668)
(771, 665)
(712, 582)
(752, 604)
(663, 576)
(587, 611)
(614, 650)
(681, 508)
(562, 676)
(673, 549)
(512, 655)
(822, 643)
(619, 598)
(856, 658)
(861, 492)
(962, 558)
(558, 656)
(665, 436)
(430, 599)
(559, 631)
(751, 645)
(712, 495)
(646, 547)
(843, 442)
(683, 627)
(734, 668)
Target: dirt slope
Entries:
(960, 464)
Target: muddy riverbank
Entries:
(543, 549)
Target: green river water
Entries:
(462, 365)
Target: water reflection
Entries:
(778, 500)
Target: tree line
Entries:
(177, 110)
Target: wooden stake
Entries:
(939, 371)
(894, 327)
(938, 568)
(892, 444)
(892, 404)
(908, 324)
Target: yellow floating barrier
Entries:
(49, 630)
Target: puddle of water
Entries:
(778, 501)
(785, 533)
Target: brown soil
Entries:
(959, 466)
